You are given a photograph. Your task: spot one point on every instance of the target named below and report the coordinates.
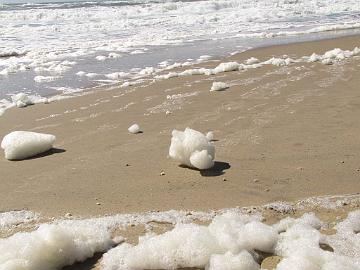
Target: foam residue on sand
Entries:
(328, 57)
(14, 218)
(192, 148)
(137, 76)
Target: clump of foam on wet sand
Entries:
(192, 148)
(219, 86)
(21, 100)
(135, 128)
(19, 145)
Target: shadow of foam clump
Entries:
(50, 152)
(218, 169)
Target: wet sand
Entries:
(294, 129)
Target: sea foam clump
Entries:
(226, 67)
(300, 245)
(191, 245)
(21, 100)
(234, 241)
(51, 247)
(19, 145)
(135, 128)
(219, 86)
(251, 61)
(192, 148)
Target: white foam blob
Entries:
(116, 75)
(42, 79)
(81, 73)
(101, 58)
(219, 86)
(21, 100)
(226, 67)
(135, 128)
(192, 148)
(251, 61)
(19, 145)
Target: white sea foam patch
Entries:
(237, 241)
(228, 240)
(64, 242)
(329, 57)
(21, 99)
(347, 242)
(300, 245)
(51, 247)
(14, 218)
(192, 148)
(191, 245)
(317, 29)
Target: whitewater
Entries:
(63, 47)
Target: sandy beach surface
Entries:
(281, 133)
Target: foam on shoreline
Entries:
(59, 45)
(329, 57)
(149, 73)
(232, 234)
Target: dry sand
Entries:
(294, 129)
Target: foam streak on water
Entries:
(44, 45)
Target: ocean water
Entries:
(54, 47)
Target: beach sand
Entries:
(294, 129)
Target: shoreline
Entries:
(94, 146)
(133, 78)
(331, 211)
